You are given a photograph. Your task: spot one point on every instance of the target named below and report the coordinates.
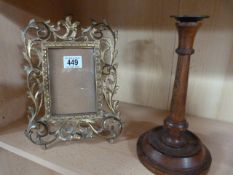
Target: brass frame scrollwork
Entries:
(43, 128)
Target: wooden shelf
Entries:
(99, 157)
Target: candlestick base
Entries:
(191, 159)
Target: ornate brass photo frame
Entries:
(45, 47)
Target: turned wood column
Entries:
(171, 149)
(176, 122)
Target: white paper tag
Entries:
(72, 62)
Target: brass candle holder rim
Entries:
(188, 18)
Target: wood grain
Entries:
(12, 164)
(99, 157)
(213, 54)
(146, 45)
(147, 41)
(14, 16)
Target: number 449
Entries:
(73, 62)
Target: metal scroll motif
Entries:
(43, 129)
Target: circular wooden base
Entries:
(156, 160)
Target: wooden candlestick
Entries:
(172, 149)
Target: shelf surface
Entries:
(98, 157)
